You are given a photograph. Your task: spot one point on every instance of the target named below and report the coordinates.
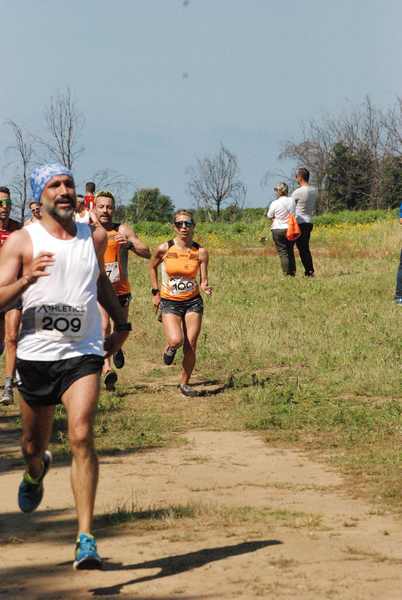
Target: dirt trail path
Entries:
(303, 537)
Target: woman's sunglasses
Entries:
(180, 224)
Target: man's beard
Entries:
(105, 220)
(61, 214)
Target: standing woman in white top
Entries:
(279, 211)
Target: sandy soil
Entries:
(316, 543)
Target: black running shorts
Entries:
(181, 307)
(43, 382)
(16, 305)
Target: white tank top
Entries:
(60, 315)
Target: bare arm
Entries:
(106, 294)
(204, 259)
(107, 297)
(127, 235)
(17, 269)
(153, 270)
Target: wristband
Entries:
(122, 327)
(154, 291)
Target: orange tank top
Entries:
(180, 267)
(116, 263)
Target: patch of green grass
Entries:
(118, 426)
(209, 514)
(313, 362)
(131, 512)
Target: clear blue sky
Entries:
(163, 81)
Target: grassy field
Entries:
(312, 363)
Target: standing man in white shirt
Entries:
(305, 198)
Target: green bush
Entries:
(354, 216)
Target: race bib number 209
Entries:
(61, 321)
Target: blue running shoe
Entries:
(86, 554)
(30, 492)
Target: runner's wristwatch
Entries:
(122, 327)
(154, 291)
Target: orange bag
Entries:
(293, 231)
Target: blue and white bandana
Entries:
(42, 175)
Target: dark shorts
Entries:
(43, 382)
(181, 307)
(17, 305)
(125, 299)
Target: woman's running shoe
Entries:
(30, 492)
(187, 390)
(86, 553)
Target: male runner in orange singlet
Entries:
(121, 239)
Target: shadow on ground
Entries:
(243, 382)
(28, 578)
(173, 565)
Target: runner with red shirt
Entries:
(10, 316)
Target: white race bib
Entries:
(113, 271)
(61, 321)
(181, 285)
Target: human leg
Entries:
(2, 332)
(118, 358)
(285, 251)
(106, 330)
(80, 401)
(12, 325)
(36, 430)
(109, 376)
(37, 422)
(173, 330)
(303, 246)
(192, 327)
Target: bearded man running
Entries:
(56, 266)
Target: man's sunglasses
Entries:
(5, 203)
(180, 224)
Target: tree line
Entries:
(355, 157)
(355, 160)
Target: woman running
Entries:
(178, 298)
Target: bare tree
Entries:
(215, 181)
(24, 151)
(362, 131)
(392, 122)
(109, 179)
(64, 125)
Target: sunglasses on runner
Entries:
(180, 224)
(5, 203)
